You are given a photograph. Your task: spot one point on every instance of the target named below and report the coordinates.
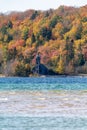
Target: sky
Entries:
(23, 5)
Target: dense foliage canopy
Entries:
(59, 35)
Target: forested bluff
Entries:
(59, 35)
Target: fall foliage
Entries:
(59, 35)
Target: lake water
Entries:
(51, 103)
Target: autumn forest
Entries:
(59, 35)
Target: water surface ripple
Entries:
(51, 103)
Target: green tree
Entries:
(84, 19)
(54, 21)
(46, 33)
(34, 15)
(81, 60)
(10, 25)
(78, 32)
(4, 29)
(33, 38)
(25, 33)
(7, 38)
(69, 47)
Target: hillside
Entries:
(59, 35)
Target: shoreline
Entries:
(2, 75)
(44, 76)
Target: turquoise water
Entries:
(60, 83)
(42, 123)
(51, 103)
